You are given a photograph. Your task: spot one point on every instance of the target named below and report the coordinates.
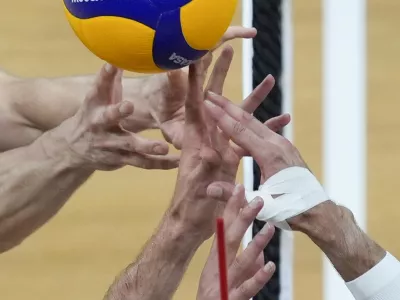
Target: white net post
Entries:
(286, 82)
(344, 111)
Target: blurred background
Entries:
(106, 223)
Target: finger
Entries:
(117, 90)
(235, 32)
(276, 124)
(210, 159)
(220, 190)
(220, 71)
(134, 143)
(236, 202)
(207, 60)
(105, 82)
(237, 113)
(243, 267)
(194, 102)
(235, 130)
(251, 287)
(259, 94)
(150, 162)
(216, 84)
(235, 233)
(116, 113)
(259, 261)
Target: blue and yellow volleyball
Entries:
(150, 36)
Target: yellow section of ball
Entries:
(124, 43)
(205, 21)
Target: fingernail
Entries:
(269, 267)
(159, 149)
(265, 229)
(215, 192)
(255, 202)
(108, 67)
(236, 190)
(125, 108)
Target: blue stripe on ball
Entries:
(168, 38)
(142, 11)
(166, 5)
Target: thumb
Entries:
(220, 190)
(103, 90)
(115, 113)
(234, 32)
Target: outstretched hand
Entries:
(95, 139)
(247, 273)
(167, 104)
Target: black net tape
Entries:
(267, 59)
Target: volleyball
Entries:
(149, 36)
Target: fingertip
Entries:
(270, 78)
(110, 69)
(251, 32)
(160, 149)
(173, 162)
(228, 49)
(215, 191)
(269, 267)
(125, 108)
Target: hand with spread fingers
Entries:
(272, 151)
(167, 94)
(94, 137)
(247, 273)
(208, 155)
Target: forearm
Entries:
(34, 185)
(333, 229)
(159, 268)
(30, 107)
(369, 271)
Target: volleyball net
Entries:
(344, 68)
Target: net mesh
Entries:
(267, 59)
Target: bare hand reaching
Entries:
(95, 139)
(272, 151)
(207, 153)
(247, 273)
(166, 105)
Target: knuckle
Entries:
(238, 128)
(246, 214)
(241, 262)
(127, 145)
(246, 116)
(231, 242)
(245, 291)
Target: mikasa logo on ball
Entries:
(180, 60)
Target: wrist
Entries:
(334, 230)
(54, 146)
(314, 221)
(181, 230)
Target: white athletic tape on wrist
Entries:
(287, 194)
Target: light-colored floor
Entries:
(106, 223)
